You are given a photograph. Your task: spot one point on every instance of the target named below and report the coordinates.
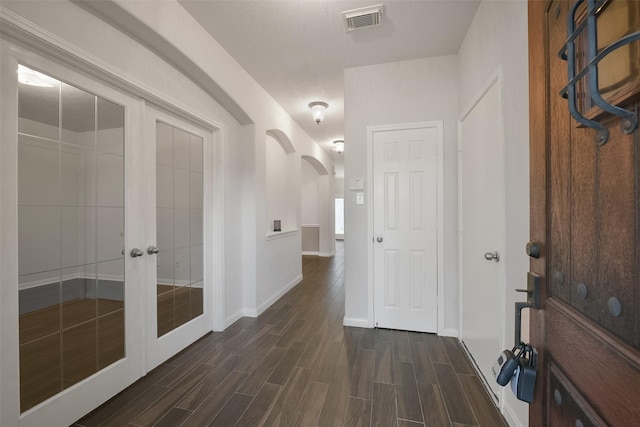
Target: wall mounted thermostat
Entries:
(357, 184)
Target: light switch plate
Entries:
(359, 198)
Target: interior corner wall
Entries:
(395, 93)
(498, 37)
(310, 194)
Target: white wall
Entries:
(395, 93)
(280, 186)
(309, 194)
(498, 36)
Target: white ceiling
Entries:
(297, 49)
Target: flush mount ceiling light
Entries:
(338, 145)
(31, 77)
(364, 17)
(317, 109)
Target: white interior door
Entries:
(405, 250)
(482, 230)
(69, 166)
(179, 206)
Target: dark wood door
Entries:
(585, 201)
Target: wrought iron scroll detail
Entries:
(568, 53)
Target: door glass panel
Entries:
(70, 235)
(179, 221)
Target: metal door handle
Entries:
(152, 250)
(492, 256)
(135, 252)
(379, 239)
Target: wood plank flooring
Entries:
(296, 365)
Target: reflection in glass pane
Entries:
(110, 231)
(110, 137)
(71, 309)
(38, 171)
(110, 179)
(195, 150)
(78, 175)
(78, 117)
(78, 295)
(179, 221)
(38, 104)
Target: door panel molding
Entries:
(369, 193)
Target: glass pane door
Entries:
(179, 287)
(179, 227)
(70, 235)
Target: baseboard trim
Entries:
(511, 417)
(275, 297)
(355, 322)
(233, 318)
(320, 254)
(449, 333)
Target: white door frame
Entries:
(33, 44)
(369, 191)
(494, 79)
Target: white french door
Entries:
(70, 293)
(106, 271)
(179, 229)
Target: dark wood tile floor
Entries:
(296, 365)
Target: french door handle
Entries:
(379, 239)
(152, 250)
(135, 252)
(492, 256)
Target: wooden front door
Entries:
(585, 198)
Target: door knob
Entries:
(533, 249)
(152, 250)
(379, 239)
(135, 252)
(492, 256)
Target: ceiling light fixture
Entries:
(317, 109)
(339, 146)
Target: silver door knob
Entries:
(152, 250)
(379, 239)
(135, 252)
(492, 256)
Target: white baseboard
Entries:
(511, 417)
(322, 254)
(250, 312)
(233, 318)
(275, 297)
(449, 333)
(355, 322)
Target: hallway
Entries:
(296, 365)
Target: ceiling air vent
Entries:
(364, 17)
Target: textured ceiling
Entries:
(297, 50)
